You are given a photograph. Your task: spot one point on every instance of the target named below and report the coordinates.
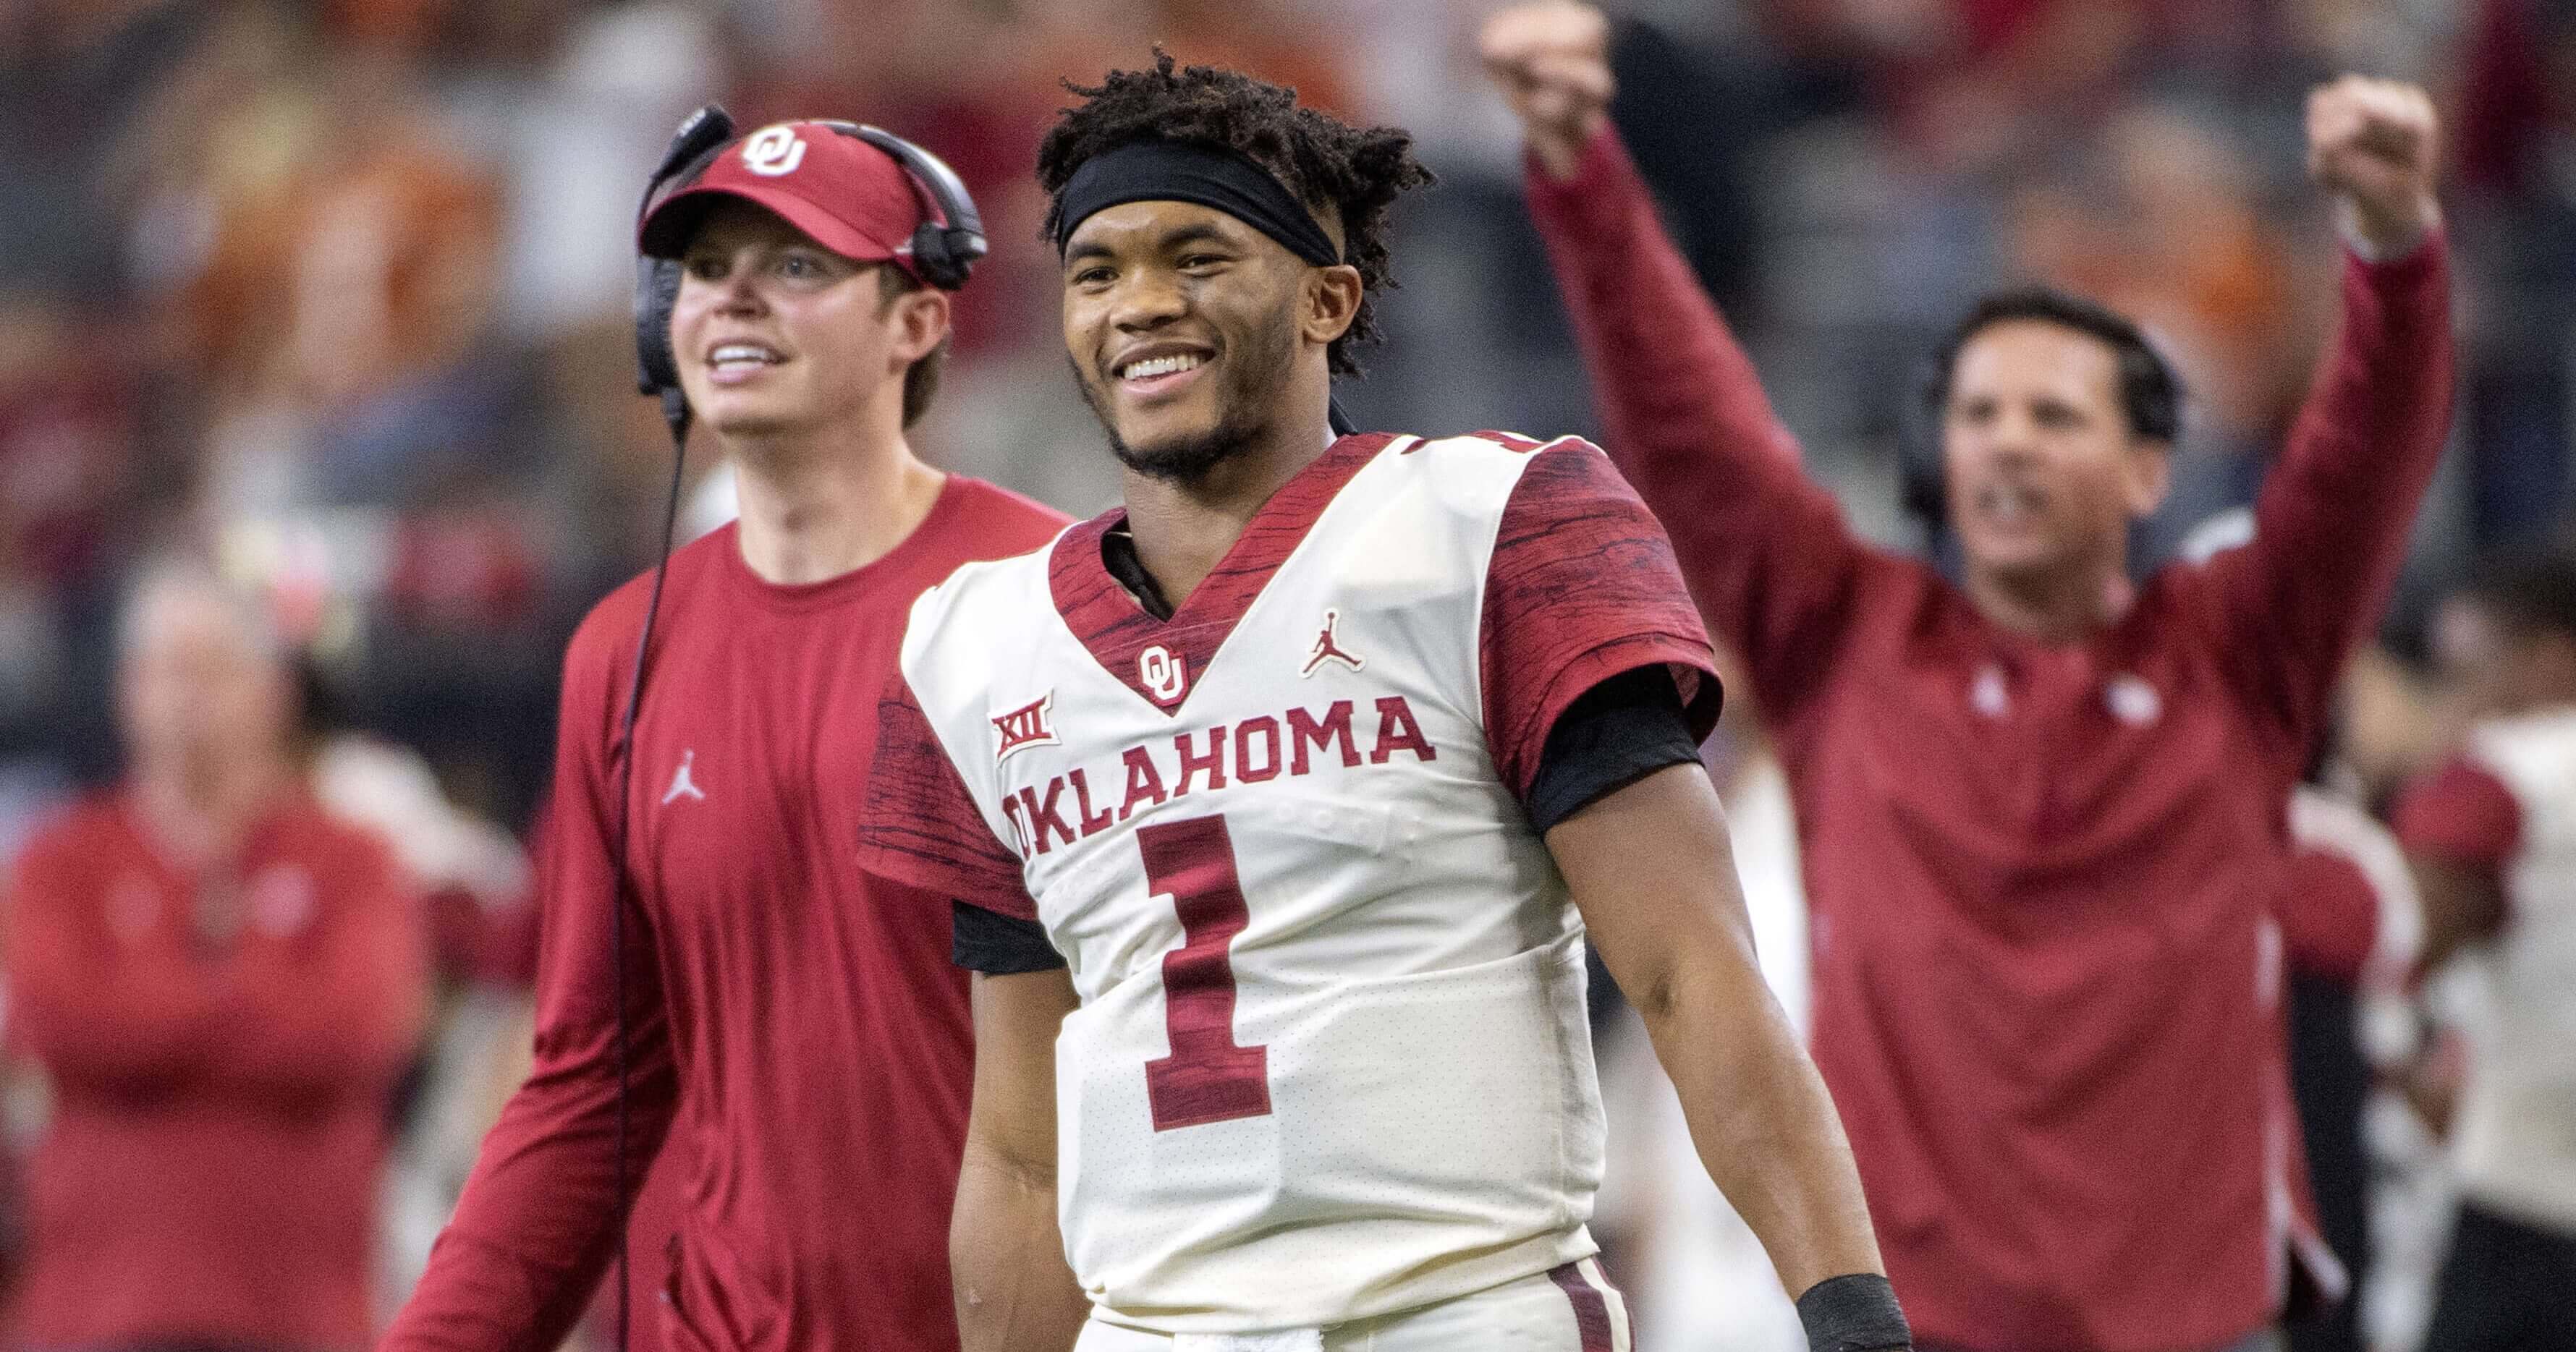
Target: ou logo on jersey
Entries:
(772, 151)
(1162, 672)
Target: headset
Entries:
(943, 250)
(1923, 489)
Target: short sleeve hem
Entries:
(1698, 685)
(921, 826)
(1582, 586)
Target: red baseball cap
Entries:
(851, 197)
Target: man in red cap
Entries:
(799, 1022)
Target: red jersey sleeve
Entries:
(1582, 586)
(2331, 523)
(922, 827)
(538, 1222)
(2461, 813)
(1763, 546)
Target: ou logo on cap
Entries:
(772, 151)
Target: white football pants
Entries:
(1571, 1309)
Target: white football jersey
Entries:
(2515, 1141)
(1331, 1059)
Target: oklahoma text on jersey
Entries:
(1331, 1060)
(1265, 747)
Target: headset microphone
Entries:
(657, 280)
(657, 289)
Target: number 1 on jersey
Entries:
(1207, 1078)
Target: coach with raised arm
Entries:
(2042, 808)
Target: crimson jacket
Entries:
(221, 1050)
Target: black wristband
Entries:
(1856, 1312)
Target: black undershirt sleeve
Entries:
(1618, 732)
(997, 944)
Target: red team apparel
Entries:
(222, 1050)
(797, 1021)
(2506, 807)
(1331, 1060)
(2041, 875)
(2350, 911)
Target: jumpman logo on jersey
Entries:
(1329, 650)
(681, 785)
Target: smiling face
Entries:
(2043, 470)
(1183, 327)
(777, 334)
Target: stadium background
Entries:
(340, 289)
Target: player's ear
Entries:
(921, 320)
(1332, 302)
(2147, 474)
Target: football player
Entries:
(2491, 838)
(1286, 798)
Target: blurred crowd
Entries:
(335, 293)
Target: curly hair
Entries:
(1356, 172)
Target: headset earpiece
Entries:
(943, 247)
(657, 280)
(950, 238)
(1921, 480)
(657, 372)
(657, 290)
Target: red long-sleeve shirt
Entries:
(2045, 980)
(798, 1020)
(222, 1050)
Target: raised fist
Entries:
(2373, 144)
(1552, 62)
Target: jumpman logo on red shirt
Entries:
(681, 785)
(1327, 649)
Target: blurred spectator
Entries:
(2349, 923)
(2492, 840)
(68, 448)
(220, 985)
(357, 314)
(2517, 142)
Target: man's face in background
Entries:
(2042, 469)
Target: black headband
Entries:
(1154, 170)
